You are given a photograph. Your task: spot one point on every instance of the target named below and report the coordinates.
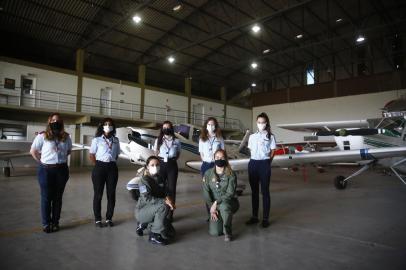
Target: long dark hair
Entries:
(48, 132)
(204, 135)
(161, 134)
(100, 131)
(268, 125)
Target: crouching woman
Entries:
(219, 190)
(153, 204)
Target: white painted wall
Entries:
(170, 106)
(331, 109)
(244, 116)
(46, 80)
(125, 99)
(210, 109)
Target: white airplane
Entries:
(137, 144)
(365, 142)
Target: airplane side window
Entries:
(346, 145)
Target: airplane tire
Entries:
(339, 182)
(7, 171)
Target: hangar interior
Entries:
(145, 61)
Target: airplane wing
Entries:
(319, 158)
(325, 126)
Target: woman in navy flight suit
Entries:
(51, 149)
(262, 146)
(104, 152)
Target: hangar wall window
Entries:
(309, 75)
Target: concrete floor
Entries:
(314, 226)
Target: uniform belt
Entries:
(105, 162)
(169, 159)
(57, 165)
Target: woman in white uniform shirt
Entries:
(104, 152)
(51, 149)
(168, 148)
(262, 146)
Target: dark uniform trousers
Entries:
(52, 181)
(259, 173)
(169, 173)
(104, 173)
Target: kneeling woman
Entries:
(219, 185)
(153, 205)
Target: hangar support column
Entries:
(141, 81)
(188, 92)
(80, 62)
(223, 92)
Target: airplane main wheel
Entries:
(339, 182)
(7, 171)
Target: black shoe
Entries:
(156, 238)
(55, 227)
(109, 223)
(170, 231)
(99, 224)
(140, 229)
(47, 229)
(252, 221)
(265, 223)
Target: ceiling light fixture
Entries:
(171, 59)
(360, 38)
(299, 36)
(339, 20)
(256, 28)
(253, 84)
(136, 19)
(254, 65)
(266, 51)
(177, 7)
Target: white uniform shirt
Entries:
(209, 147)
(105, 149)
(169, 148)
(52, 151)
(260, 145)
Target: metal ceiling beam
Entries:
(110, 28)
(235, 28)
(168, 33)
(96, 20)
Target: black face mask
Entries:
(220, 163)
(56, 127)
(167, 131)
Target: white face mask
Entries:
(107, 129)
(211, 128)
(153, 170)
(261, 127)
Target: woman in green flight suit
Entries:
(219, 185)
(153, 204)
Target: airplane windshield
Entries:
(183, 130)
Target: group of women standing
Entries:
(157, 186)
